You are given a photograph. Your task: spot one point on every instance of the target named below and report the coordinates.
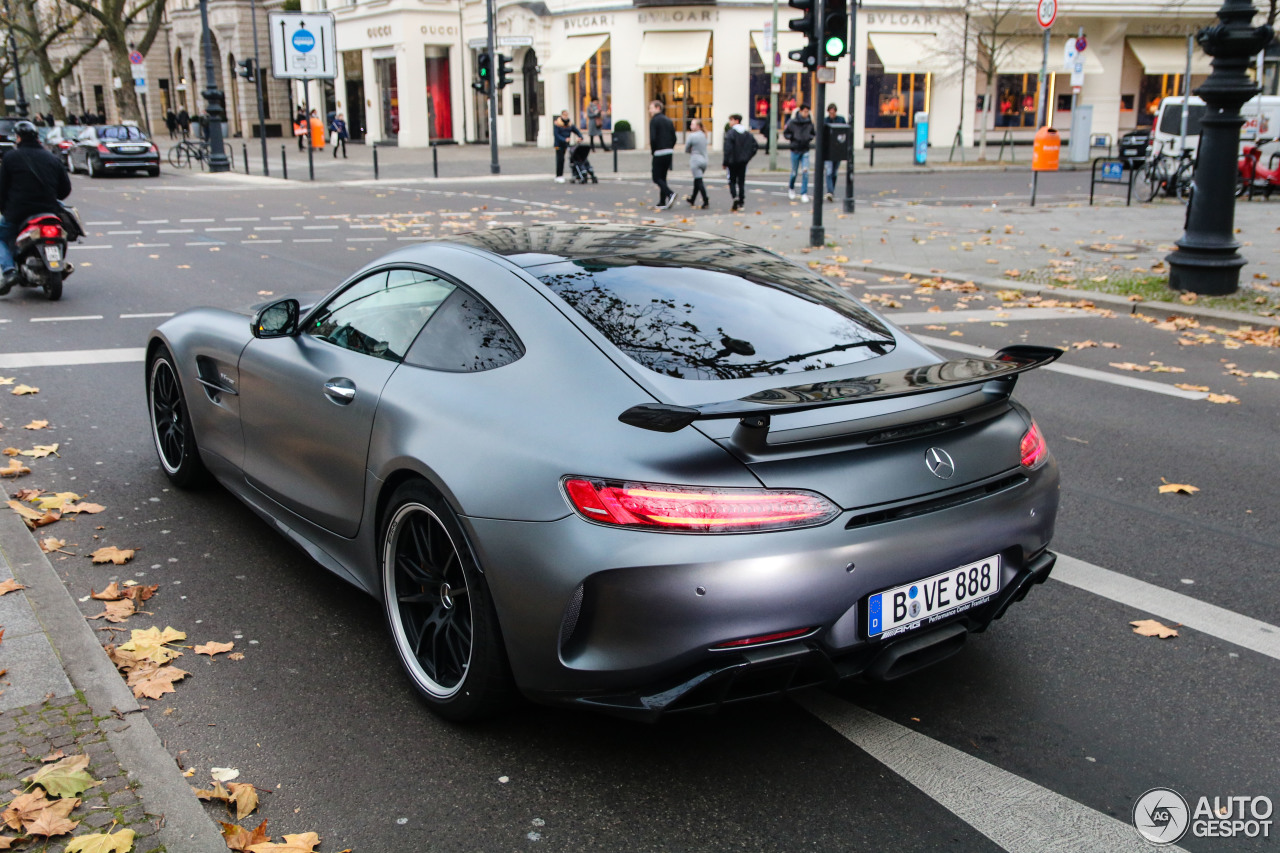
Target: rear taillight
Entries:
(102, 149)
(694, 509)
(64, 144)
(50, 232)
(1033, 449)
(765, 638)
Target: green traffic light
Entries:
(835, 46)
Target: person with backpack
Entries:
(739, 147)
(800, 132)
(32, 180)
(831, 167)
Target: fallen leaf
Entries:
(235, 656)
(216, 793)
(117, 611)
(244, 797)
(1222, 398)
(40, 451)
(224, 774)
(1187, 387)
(1265, 374)
(1084, 344)
(23, 390)
(36, 425)
(9, 586)
(55, 501)
(102, 842)
(112, 554)
(32, 518)
(54, 756)
(28, 494)
(157, 682)
(151, 644)
(84, 507)
(306, 842)
(1130, 366)
(1176, 488)
(67, 778)
(7, 380)
(214, 648)
(111, 593)
(53, 820)
(240, 839)
(25, 807)
(1153, 628)
(15, 469)
(49, 544)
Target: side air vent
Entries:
(954, 499)
(571, 613)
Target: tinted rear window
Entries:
(762, 317)
(1171, 119)
(120, 132)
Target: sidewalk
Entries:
(62, 695)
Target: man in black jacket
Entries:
(800, 132)
(662, 139)
(32, 181)
(739, 147)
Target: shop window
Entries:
(894, 99)
(684, 96)
(593, 82)
(1064, 103)
(439, 97)
(1154, 89)
(1016, 100)
(796, 89)
(1127, 102)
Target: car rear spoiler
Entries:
(755, 410)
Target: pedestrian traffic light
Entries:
(246, 68)
(484, 74)
(504, 71)
(808, 55)
(835, 29)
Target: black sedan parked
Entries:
(113, 148)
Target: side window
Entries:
(381, 314)
(465, 336)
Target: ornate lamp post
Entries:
(213, 97)
(1206, 260)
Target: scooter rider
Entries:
(32, 181)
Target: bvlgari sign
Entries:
(642, 4)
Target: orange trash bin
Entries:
(317, 134)
(1046, 151)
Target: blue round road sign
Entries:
(303, 41)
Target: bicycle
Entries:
(181, 155)
(1173, 177)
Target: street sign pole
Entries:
(257, 86)
(775, 81)
(214, 109)
(311, 154)
(849, 204)
(817, 234)
(494, 168)
(1046, 14)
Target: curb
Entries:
(164, 791)
(1119, 304)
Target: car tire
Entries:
(88, 166)
(171, 427)
(438, 607)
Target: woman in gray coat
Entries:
(695, 145)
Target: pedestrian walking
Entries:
(171, 122)
(340, 135)
(184, 122)
(739, 147)
(300, 126)
(695, 145)
(829, 166)
(563, 130)
(662, 140)
(595, 124)
(799, 131)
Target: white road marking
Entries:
(256, 242)
(175, 230)
(145, 316)
(412, 238)
(1016, 814)
(105, 222)
(243, 219)
(1072, 370)
(61, 358)
(153, 222)
(366, 239)
(273, 228)
(1208, 619)
(110, 233)
(277, 218)
(205, 243)
(148, 246)
(320, 227)
(99, 246)
(62, 319)
(197, 220)
(365, 227)
(232, 228)
(313, 240)
(914, 318)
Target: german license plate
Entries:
(53, 254)
(131, 149)
(905, 608)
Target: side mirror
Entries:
(277, 320)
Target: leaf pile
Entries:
(44, 810)
(145, 661)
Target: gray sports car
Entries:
(634, 469)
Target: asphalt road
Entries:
(1060, 696)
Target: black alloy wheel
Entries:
(171, 422)
(438, 608)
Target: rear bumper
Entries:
(130, 162)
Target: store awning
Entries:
(787, 42)
(1024, 56)
(1169, 56)
(575, 53)
(908, 53)
(682, 52)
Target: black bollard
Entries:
(435, 161)
(284, 163)
(873, 151)
(615, 158)
(244, 146)
(375, 161)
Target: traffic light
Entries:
(808, 55)
(484, 74)
(835, 29)
(504, 71)
(246, 68)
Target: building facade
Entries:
(406, 66)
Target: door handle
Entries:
(340, 391)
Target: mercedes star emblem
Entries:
(940, 463)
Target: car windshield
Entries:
(120, 131)
(761, 317)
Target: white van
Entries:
(1262, 120)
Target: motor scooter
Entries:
(1253, 176)
(40, 251)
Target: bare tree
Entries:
(112, 20)
(41, 25)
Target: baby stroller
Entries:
(582, 171)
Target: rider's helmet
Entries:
(26, 131)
